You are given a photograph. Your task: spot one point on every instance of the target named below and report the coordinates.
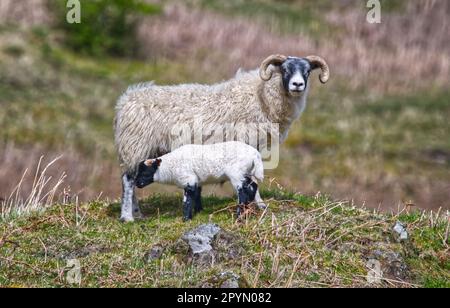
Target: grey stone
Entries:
(392, 263)
(200, 240)
(400, 230)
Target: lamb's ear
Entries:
(148, 162)
(158, 162)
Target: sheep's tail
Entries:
(258, 168)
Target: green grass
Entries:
(282, 16)
(332, 240)
(345, 134)
(62, 99)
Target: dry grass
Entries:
(27, 13)
(408, 49)
(42, 194)
(405, 50)
(84, 178)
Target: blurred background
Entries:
(377, 133)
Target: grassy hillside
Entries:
(300, 241)
(376, 134)
(380, 149)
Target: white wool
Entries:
(147, 113)
(210, 164)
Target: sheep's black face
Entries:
(146, 172)
(295, 73)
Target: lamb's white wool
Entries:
(192, 165)
(147, 114)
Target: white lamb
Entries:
(191, 166)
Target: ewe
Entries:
(147, 114)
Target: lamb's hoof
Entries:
(125, 219)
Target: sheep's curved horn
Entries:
(266, 74)
(318, 62)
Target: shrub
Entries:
(107, 26)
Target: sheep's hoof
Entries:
(126, 219)
(138, 215)
(262, 206)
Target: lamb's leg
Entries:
(198, 199)
(128, 195)
(189, 197)
(242, 199)
(259, 201)
(241, 192)
(251, 189)
(246, 193)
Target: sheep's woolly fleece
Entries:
(146, 114)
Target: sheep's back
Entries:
(146, 114)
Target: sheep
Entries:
(192, 166)
(146, 114)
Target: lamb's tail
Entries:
(258, 168)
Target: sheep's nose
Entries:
(298, 84)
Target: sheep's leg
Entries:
(198, 199)
(189, 197)
(128, 196)
(136, 210)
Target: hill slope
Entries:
(299, 241)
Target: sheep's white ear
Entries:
(148, 162)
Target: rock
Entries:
(200, 243)
(200, 238)
(155, 253)
(208, 244)
(392, 264)
(400, 230)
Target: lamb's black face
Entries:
(146, 172)
(295, 73)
